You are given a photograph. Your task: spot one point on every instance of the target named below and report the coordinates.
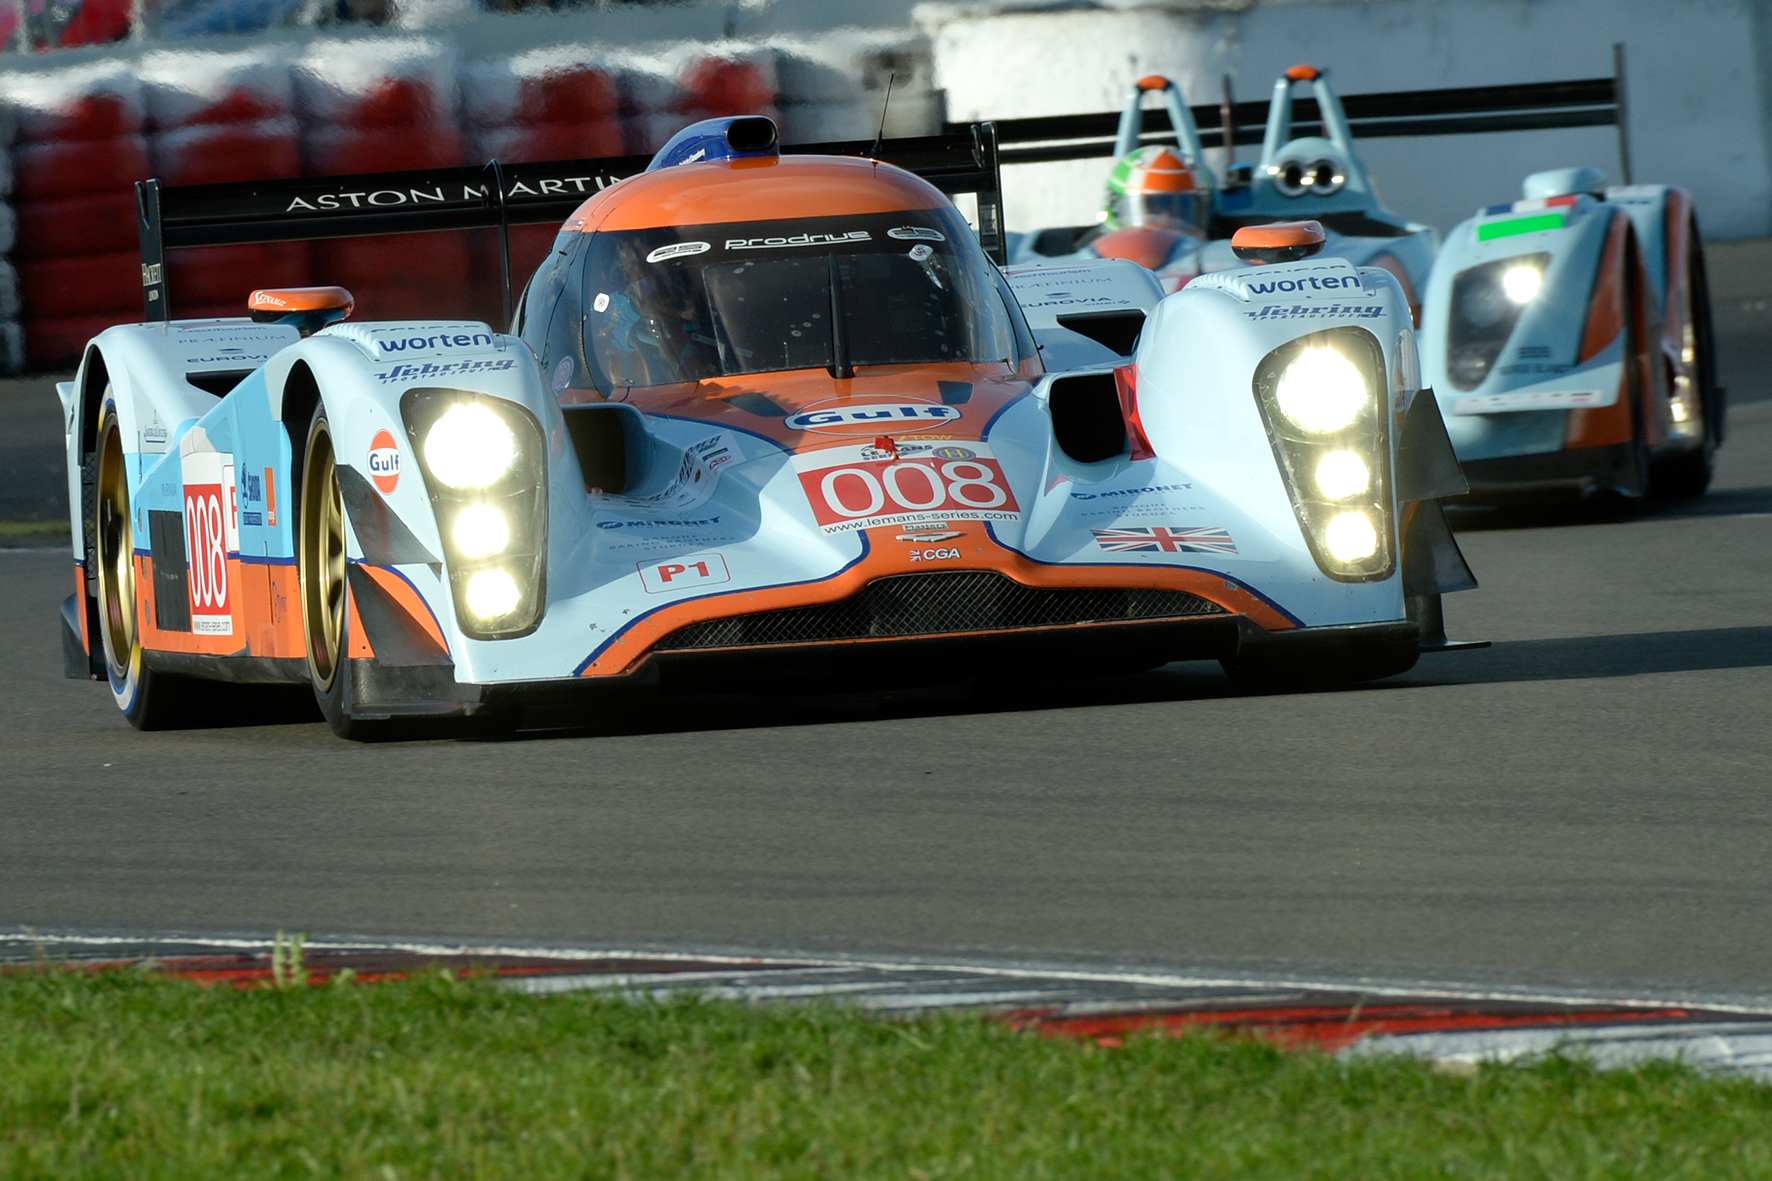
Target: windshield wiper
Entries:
(840, 366)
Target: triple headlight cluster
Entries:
(1322, 400)
(486, 471)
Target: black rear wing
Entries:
(1536, 106)
(959, 161)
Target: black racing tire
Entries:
(1260, 673)
(1688, 475)
(149, 700)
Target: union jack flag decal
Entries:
(1157, 538)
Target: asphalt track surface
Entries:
(1584, 805)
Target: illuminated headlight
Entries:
(1483, 308)
(1350, 537)
(1521, 283)
(485, 467)
(469, 446)
(1321, 391)
(1325, 403)
(481, 531)
(492, 595)
(1341, 474)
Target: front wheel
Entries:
(320, 569)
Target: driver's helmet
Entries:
(1155, 187)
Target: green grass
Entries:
(126, 1075)
(17, 531)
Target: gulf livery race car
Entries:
(760, 415)
(1568, 337)
(1318, 177)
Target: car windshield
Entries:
(685, 303)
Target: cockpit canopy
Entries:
(669, 304)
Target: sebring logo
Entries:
(384, 462)
(869, 418)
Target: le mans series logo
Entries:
(384, 462)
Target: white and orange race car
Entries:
(1567, 335)
(758, 414)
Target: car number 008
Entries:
(207, 547)
(963, 482)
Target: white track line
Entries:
(912, 967)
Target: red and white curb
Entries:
(1353, 1019)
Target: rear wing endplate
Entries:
(1536, 106)
(959, 161)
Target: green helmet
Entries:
(1154, 186)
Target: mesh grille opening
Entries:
(937, 604)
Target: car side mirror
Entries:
(1279, 241)
(306, 309)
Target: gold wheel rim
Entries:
(116, 557)
(322, 558)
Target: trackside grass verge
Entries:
(124, 1074)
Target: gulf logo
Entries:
(384, 462)
(844, 417)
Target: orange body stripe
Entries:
(360, 648)
(80, 606)
(755, 190)
(887, 556)
(409, 600)
(267, 620)
(1605, 425)
(1148, 246)
(1390, 263)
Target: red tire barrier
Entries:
(85, 286)
(546, 141)
(184, 88)
(96, 23)
(729, 85)
(408, 301)
(101, 101)
(537, 87)
(79, 167)
(337, 151)
(225, 275)
(436, 262)
(56, 342)
(213, 153)
(385, 82)
(101, 224)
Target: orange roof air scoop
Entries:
(306, 309)
(1153, 82)
(1279, 241)
(1304, 73)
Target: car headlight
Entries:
(1321, 391)
(1521, 283)
(1341, 474)
(481, 531)
(469, 446)
(485, 468)
(1324, 401)
(1486, 303)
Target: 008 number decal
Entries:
(206, 551)
(848, 492)
(212, 533)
